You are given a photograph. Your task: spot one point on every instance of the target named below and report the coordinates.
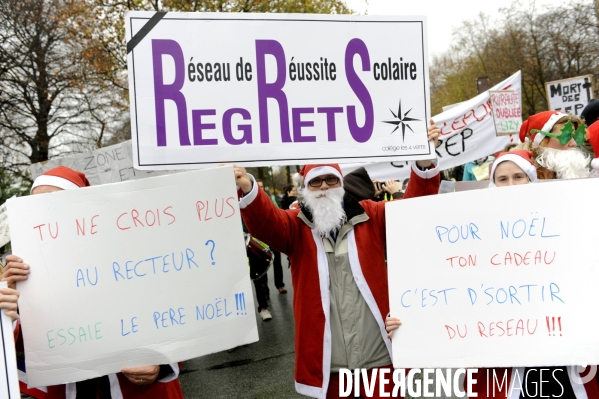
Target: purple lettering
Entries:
(330, 111)
(271, 90)
(246, 129)
(198, 126)
(298, 123)
(163, 92)
(360, 134)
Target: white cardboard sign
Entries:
(266, 89)
(570, 95)
(152, 271)
(105, 165)
(507, 111)
(467, 133)
(495, 286)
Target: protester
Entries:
(337, 250)
(277, 266)
(359, 185)
(593, 139)
(289, 196)
(512, 168)
(589, 115)
(477, 170)
(259, 256)
(554, 146)
(515, 168)
(8, 300)
(148, 382)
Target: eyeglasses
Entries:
(317, 181)
(566, 133)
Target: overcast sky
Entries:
(442, 15)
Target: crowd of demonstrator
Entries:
(335, 240)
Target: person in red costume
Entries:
(510, 169)
(552, 137)
(148, 382)
(336, 245)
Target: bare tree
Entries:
(41, 79)
(553, 44)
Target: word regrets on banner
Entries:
(570, 95)
(494, 287)
(247, 88)
(507, 111)
(145, 272)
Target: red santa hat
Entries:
(522, 158)
(309, 172)
(593, 139)
(61, 177)
(542, 121)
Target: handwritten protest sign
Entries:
(467, 133)
(507, 111)
(145, 272)
(105, 165)
(498, 286)
(570, 95)
(212, 88)
(9, 380)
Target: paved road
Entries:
(260, 370)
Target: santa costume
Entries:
(292, 233)
(543, 121)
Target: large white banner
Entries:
(145, 272)
(267, 89)
(570, 95)
(467, 133)
(507, 278)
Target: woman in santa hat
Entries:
(509, 169)
(149, 382)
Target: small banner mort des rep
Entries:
(508, 285)
(139, 273)
(570, 95)
(507, 111)
(264, 89)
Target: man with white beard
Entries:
(336, 246)
(554, 140)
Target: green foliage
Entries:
(11, 185)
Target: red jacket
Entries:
(284, 231)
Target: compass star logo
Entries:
(401, 120)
